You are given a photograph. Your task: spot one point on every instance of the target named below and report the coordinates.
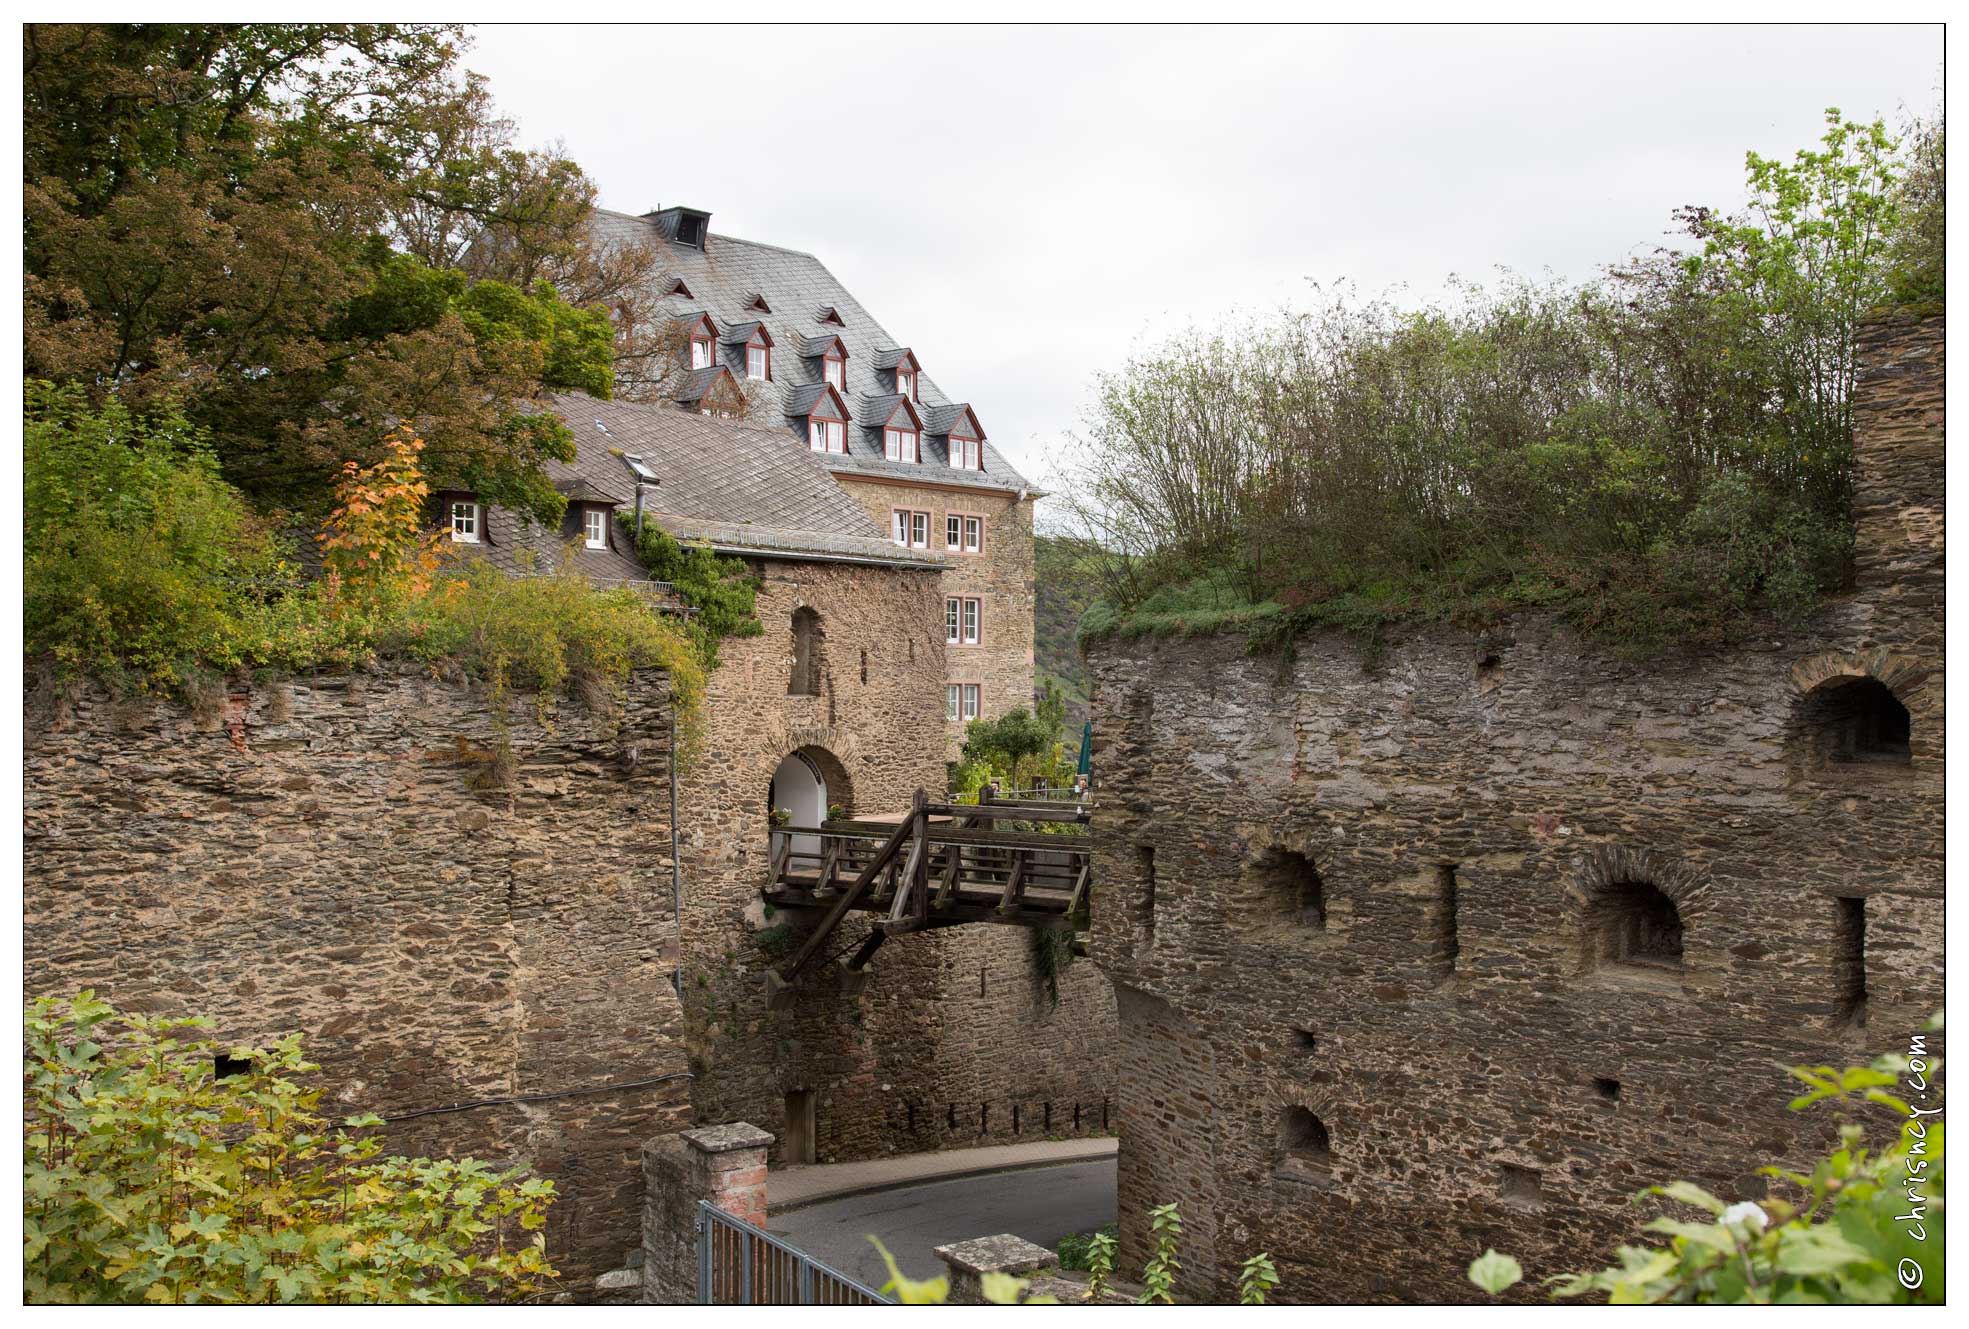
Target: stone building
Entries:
(773, 333)
(549, 964)
(1462, 948)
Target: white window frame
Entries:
(465, 523)
(827, 436)
(953, 531)
(760, 367)
(968, 454)
(953, 701)
(953, 613)
(973, 621)
(834, 372)
(971, 707)
(909, 529)
(701, 357)
(974, 535)
(906, 383)
(594, 527)
(894, 442)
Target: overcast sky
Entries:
(1025, 206)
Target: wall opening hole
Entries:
(1015, 1118)
(1144, 911)
(1635, 925)
(797, 1146)
(1849, 959)
(1445, 939)
(805, 679)
(984, 1118)
(1856, 720)
(1305, 1040)
(1285, 891)
(1046, 1117)
(1303, 1138)
(1521, 1188)
(950, 1117)
(1605, 1089)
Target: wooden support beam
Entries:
(825, 889)
(1080, 887)
(883, 857)
(1014, 884)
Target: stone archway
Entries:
(807, 781)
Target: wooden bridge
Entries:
(939, 865)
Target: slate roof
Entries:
(579, 490)
(744, 488)
(724, 276)
(700, 380)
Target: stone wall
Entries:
(1000, 575)
(335, 855)
(1396, 970)
(924, 1042)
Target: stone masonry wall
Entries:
(1357, 914)
(926, 1042)
(1001, 576)
(323, 856)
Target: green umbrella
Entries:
(1087, 748)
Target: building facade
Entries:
(772, 333)
(1462, 948)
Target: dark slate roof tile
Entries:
(728, 270)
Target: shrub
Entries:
(140, 562)
(149, 1177)
(722, 590)
(143, 565)
(1662, 454)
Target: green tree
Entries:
(1012, 742)
(162, 1167)
(260, 226)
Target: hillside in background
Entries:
(1065, 587)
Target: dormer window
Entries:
(902, 444)
(967, 454)
(702, 354)
(757, 304)
(827, 436)
(465, 522)
(834, 369)
(759, 357)
(594, 527)
(906, 383)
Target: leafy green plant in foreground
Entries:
(162, 1167)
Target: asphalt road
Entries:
(1040, 1204)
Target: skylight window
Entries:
(639, 468)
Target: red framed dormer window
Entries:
(966, 454)
(827, 436)
(903, 444)
(827, 424)
(704, 352)
(834, 369)
(759, 356)
(906, 382)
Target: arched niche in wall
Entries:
(1635, 913)
(1856, 715)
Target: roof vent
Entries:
(684, 226)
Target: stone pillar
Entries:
(723, 1164)
(969, 1261)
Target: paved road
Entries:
(1040, 1204)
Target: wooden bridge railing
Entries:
(942, 865)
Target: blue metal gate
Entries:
(741, 1265)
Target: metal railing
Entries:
(741, 1265)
